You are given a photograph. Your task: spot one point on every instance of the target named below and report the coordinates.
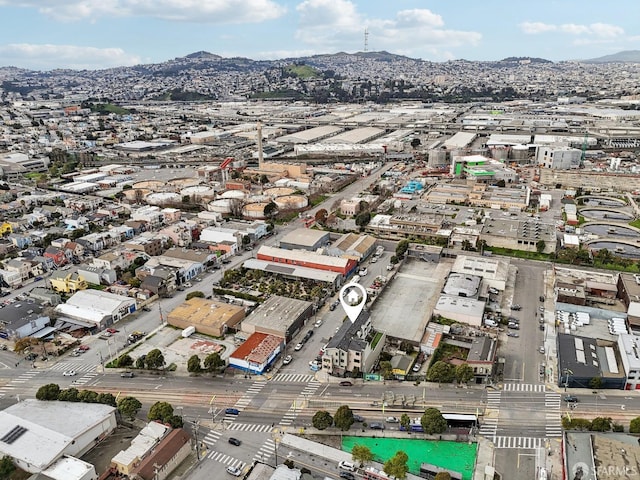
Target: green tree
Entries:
(361, 454)
(88, 396)
(107, 399)
(175, 421)
(140, 361)
(322, 420)
(161, 411)
(540, 246)
(634, 425)
(193, 364)
(69, 395)
(363, 219)
(129, 407)
(601, 424)
(442, 476)
(386, 369)
(401, 248)
(155, 359)
(464, 373)
(270, 209)
(195, 294)
(213, 362)
(343, 419)
(50, 391)
(595, 383)
(405, 421)
(441, 372)
(397, 465)
(6, 467)
(432, 421)
(124, 361)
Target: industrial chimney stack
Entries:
(260, 152)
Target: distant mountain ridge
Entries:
(626, 56)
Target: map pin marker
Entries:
(353, 298)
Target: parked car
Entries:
(392, 420)
(417, 367)
(376, 426)
(232, 411)
(512, 334)
(83, 348)
(287, 360)
(334, 305)
(358, 418)
(513, 326)
(318, 323)
(344, 465)
(346, 383)
(363, 272)
(389, 267)
(235, 471)
(298, 346)
(541, 298)
(235, 441)
(516, 307)
(347, 475)
(308, 335)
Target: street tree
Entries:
(124, 361)
(540, 246)
(361, 454)
(155, 359)
(634, 425)
(162, 411)
(343, 419)
(88, 396)
(595, 383)
(107, 399)
(213, 362)
(7, 467)
(432, 421)
(69, 395)
(441, 372)
(601, 424)
(464, 373)
(50, 391)
(396, 466)
(193, 364)
(405, 421)
(129, 407)
(321, 216)
(442, 476)
(401, 248)
(322, 420)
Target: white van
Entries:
(344, 465)
(490, 323)
(355, 279)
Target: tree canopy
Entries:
(361, 454)
(441, 372)
(432, 421)
(162, 411)
(322, 420)
(154, 359)
(193, 364)
(397, 465)
(50, 391)
(129, 407)
(343, 419)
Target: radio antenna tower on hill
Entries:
(366, 39)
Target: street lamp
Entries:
(566, 372)
(276, 434)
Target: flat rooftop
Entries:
(404, 309)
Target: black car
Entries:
(307, 335)
(226, 261)
(347, 476)
(516, 307)
(346, 383)
(542, 298)
(232, 411)
(235, 441)
(358, 418)
(571, 399)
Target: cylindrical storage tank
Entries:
(153, 185)
(499, 153)
(197, 192)
(520, 153)
(163, 198)
(222, 206)
(132, 195)
(291, 202)
(279, 191)
(254, 210)
(437, 157)
(258, 198)
(184, 182)
(237, 194)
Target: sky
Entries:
(95, 34)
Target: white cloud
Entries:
(336, 25)
(199, 11)
(47, 57)
(598, 30)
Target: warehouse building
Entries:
(279, 316)
(344, 266)
(35, 434)
(207, 316)
(305, 239)
(95, 309)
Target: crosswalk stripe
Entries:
(77, 366)
(250, 427)
(293, 377)
(523, 387)
(226, 459)
(518, 442)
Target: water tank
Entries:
(222, 206)
(163, 198)
(197, 192)
(437, 157)
(291, 202)
(520, 153)
(500, 153)
(279, 191)
(153, 185)
(254, 210)
(238, 194)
